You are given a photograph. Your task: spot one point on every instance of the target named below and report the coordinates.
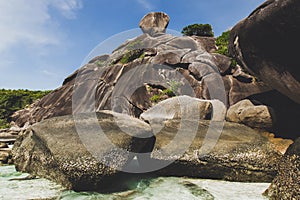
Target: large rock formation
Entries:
(207, 149)
(241, 154)
(73, 152)
(287, 182)
(166, 66)
(135, 77)
(266, 44)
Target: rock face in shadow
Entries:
(266, 44)
(76, 155)
(287, 182)
(286, 112)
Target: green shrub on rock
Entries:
(222, 43)
(198, 30)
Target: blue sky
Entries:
(43, 41)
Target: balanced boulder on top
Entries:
(154, 22)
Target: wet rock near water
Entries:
(76, 155)
(191, 146)
(210, 149)
(7, 139)
(287, 182)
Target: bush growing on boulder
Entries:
(198, 30)
(222, 43)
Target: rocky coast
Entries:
(170, 106)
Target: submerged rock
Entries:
(74, 152)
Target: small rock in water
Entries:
(4, 156)
(198, 191)
(29, 177)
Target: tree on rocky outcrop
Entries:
(198, 30)
(222, 43)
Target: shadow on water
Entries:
(125, 182)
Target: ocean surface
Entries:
(162, 188)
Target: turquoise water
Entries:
(153, 189)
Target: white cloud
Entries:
(67, 7)
(146, 4)
(48, 73)
(30, 23)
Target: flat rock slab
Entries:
(76, 154)
(239, 154)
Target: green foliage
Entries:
(155, 98)
(222, 43)
(162, 95)
(100, 63)
(198, 30)
(126, 58)
(130, 56)
(13, 100)
(142, 56)
(233, 62)
(173, 86)
(169, 92)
